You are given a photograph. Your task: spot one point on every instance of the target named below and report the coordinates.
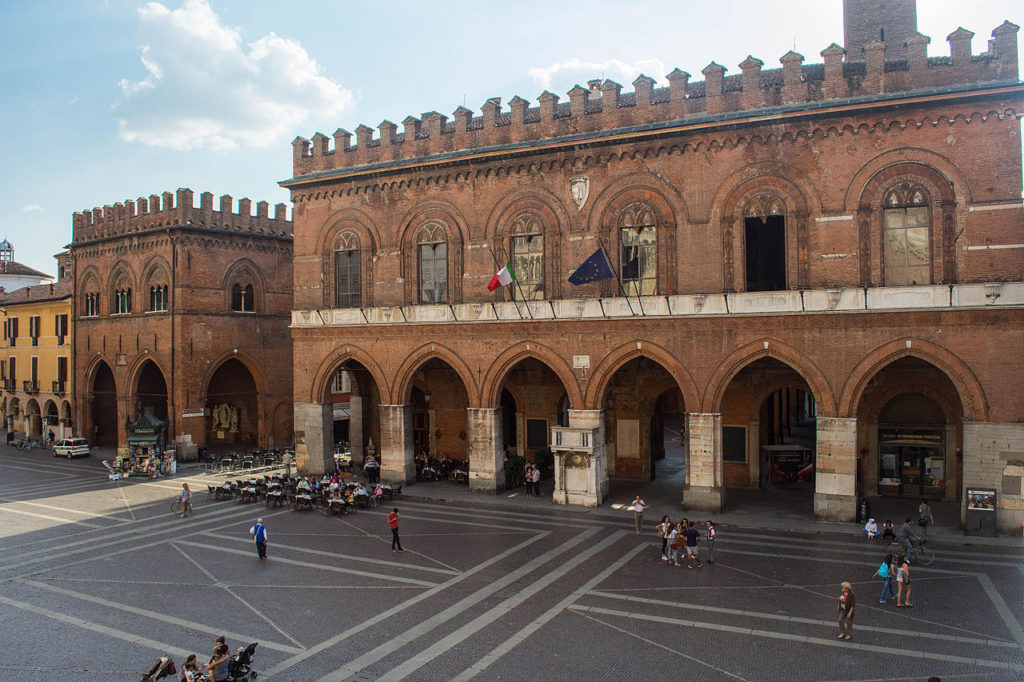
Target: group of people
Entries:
(895, 567)
(531, 478)
(217, 669)
(924, 519)
(677, 538)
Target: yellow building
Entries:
(35, 358)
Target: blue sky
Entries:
(104, 101)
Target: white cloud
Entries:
(578, 71)
(30, 208)
(204, 88)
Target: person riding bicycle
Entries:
(904, 536)
(185, 496)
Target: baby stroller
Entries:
(240, 666)
(163, 667)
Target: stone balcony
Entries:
(838, 300)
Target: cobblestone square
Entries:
(100, 578)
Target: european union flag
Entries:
(594, 268)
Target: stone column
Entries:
(704, 484)
(126, 412)
(396, 456)
(994, 458)
(949, 457)
(486, 455)
(314, 430)
(835, 484)
(754, 452)
(355, 429)
(581, 477)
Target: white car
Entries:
(71, 447)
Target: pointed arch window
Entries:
(242, 298)
(91, 304)
(158, 298)
(123, 301)
(638, 250)
(528, 257)
(432, 243)
(764, 243)
(906, 221)
(347, 283)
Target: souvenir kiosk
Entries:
(148, 454)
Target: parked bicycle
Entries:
(176, 507)
(919, 554)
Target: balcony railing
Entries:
(31, 386)
(10, 385)
(59, 387)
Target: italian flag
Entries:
(503, 277)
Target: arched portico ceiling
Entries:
(339, 358)
(969, 389)
(495, 377)
(741, 357)
(402, 390)
(614, 360)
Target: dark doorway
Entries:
(765, 253)
(151, 391)
(104, 407)
(508, 421)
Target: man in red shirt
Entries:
(393, 524)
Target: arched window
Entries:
(528, 257)
(242, 298)
(158, 297)
(638, 250)
(91, 304)
(122, 301)
(764, 243)
(906, 236)
(433, 263)
(347, 284)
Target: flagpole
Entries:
(617, 280)
(495, 257)
(637, 259)
(508, 260)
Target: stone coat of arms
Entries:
(579, 190)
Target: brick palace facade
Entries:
(820, 273)
(183, 309)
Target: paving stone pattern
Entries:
(99, 578)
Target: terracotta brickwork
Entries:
(153, 285)
(832, 156)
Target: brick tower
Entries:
(887, 21)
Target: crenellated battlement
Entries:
(603, 106)
(173, 209)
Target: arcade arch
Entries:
(353, 397)
(644, 416)
(33, 419)
(769, 434)
(151, 390)
(910, 432)
(103, 406)
(52, 415)
(232, 399)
